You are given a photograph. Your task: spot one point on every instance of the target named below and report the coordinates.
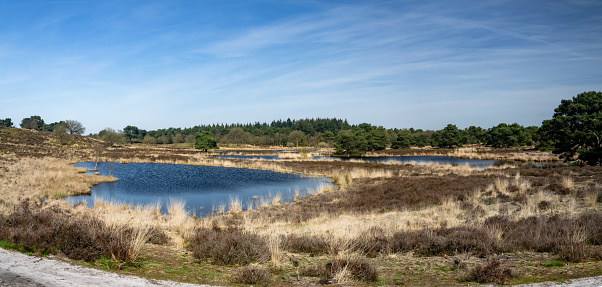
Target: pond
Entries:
(475, 163)
(203, 188)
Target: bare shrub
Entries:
(445, 241)
(252, 275)
(157, 236)
(311, 244)
(358, 268)
(373, 241)
(342, 269)
(229, 246)
(80, 238)
(492, 271)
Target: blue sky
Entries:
(421, 64)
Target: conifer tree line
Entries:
(338, 133)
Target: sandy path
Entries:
(18, 269)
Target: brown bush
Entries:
(157, 236)
(227, 247)
(81, 238)
(313, 245)
(493, 271)
(445, 241)
(567, 237)
(373, 241)
(360, 269)
(252, 275)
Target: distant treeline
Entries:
(575, 132)
(340, 134)
(328, 132)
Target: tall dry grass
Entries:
(45, 178)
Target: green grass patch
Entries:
(553, 263)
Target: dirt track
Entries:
(17, 269)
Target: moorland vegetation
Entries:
(387, 223)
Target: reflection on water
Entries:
(475, 163)
(202, 187)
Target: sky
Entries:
(397, 64)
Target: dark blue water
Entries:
(201, 187)
(475, 163)
(268, 157)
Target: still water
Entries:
(475, 163)
(201, 187)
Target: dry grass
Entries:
(502, 154)
(235, 204)
(45, 178)
(380, 209)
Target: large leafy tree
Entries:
(575, 130)
(205, 141)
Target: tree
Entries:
(205, 141)
(475, 135)
(376, 138)
(74, 127)
(132, 133)
(403, 140)
(576, 128)
(148, 139)
(111, 136)
(237, 135)
(449, 136)
(504, 135)
(351, 143)
(51, 126)
(32, 123)
(297, 138)
(60, 133)
(6, 123)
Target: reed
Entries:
(235, 204)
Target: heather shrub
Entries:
(157, 236)
(358, 268)
(373, 241)
(252, 275)
(567, 237)
(80, 238)
(492, 271)
(311, 244)
(445, 241)
(228, 246)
